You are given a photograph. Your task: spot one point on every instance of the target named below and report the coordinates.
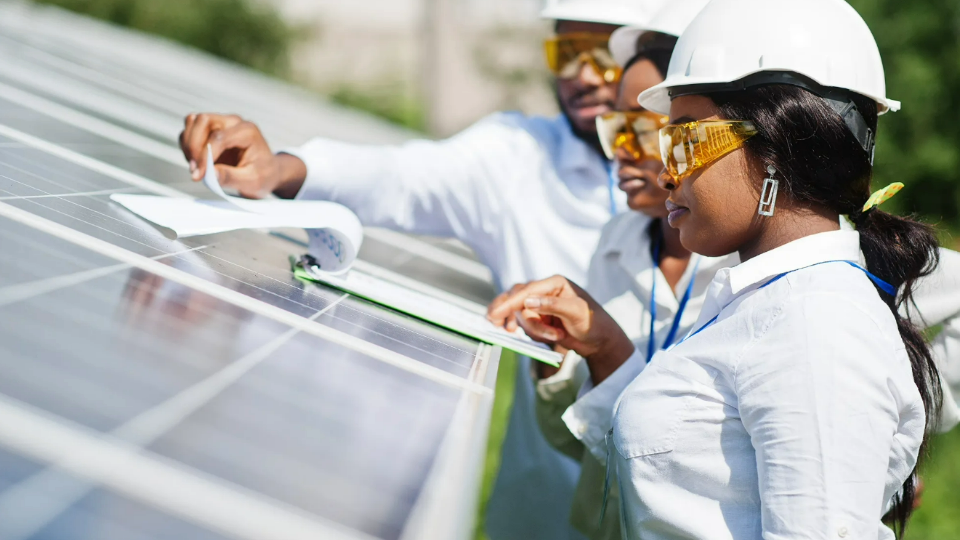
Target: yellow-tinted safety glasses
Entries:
(685, 148)
(566, 54)
(634, 131)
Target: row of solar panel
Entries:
(157, 388)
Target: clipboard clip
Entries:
(306, 262)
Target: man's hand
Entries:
(242, 156)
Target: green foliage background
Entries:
(920, 145)
(244, 31)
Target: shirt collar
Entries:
(817, 248)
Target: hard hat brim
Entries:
(657, 98)
(623, 43)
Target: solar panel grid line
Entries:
(273, 120)
(227, 276)
(442, 257)
(156, 99)
(225, 261)
(443, 511)
(23, 511)
(76, 194)
(228, 262)
(81, 94)
(380, 319)
(222, 407)
(447, 259)
(239, 299)
(451, 260)
(24, 291)
(158, 482)
(124, 52)
(92, 164)
(93, 125)
(68, 49)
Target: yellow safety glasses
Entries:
(634, 131)
(567, 53)
(685, 148)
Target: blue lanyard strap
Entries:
(675, 326)
(881, 284)
(612, 182)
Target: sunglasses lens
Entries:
(635, 132)
(609, 127)
(567, 53)
(687, 147)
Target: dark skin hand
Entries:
(245, 162)
(558, 312)
(241, 155)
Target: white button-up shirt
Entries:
(525, 193)
(530, 198)
(621, 278)
(793, 415)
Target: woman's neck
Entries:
(671, 242)
(789, 226)
(674, 258)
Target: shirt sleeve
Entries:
(455, 187)
(554, 395)
(591, 416)
(937, 303)
(946, 353)
(835, 419)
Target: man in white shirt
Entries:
(529, 195)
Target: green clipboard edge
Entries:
(302, 275)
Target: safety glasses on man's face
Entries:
(634, 131)
(567, 53)
(685, 148)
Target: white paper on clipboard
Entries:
(435, 311)
(334, 230)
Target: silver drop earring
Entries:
(768, 195)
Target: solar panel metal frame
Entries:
(445, 508)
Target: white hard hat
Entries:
(825, 42)
(672, 19)
(602, 11)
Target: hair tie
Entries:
(881, 196)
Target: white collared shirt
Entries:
(794, 415)
(525, 193)
(530, 198)
(621, 278)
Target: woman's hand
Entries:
(556, 311)
(243, 158)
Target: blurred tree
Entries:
(920, 146)
(245, 31)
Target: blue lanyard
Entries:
(883, 285)
(651, 347)
(612, 182)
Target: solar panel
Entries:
(193, 388)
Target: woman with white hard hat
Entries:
(648, 282)
(797, 407)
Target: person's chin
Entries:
(700, 239)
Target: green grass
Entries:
(938, 517)
(503, 401)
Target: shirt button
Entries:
(842, 532)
